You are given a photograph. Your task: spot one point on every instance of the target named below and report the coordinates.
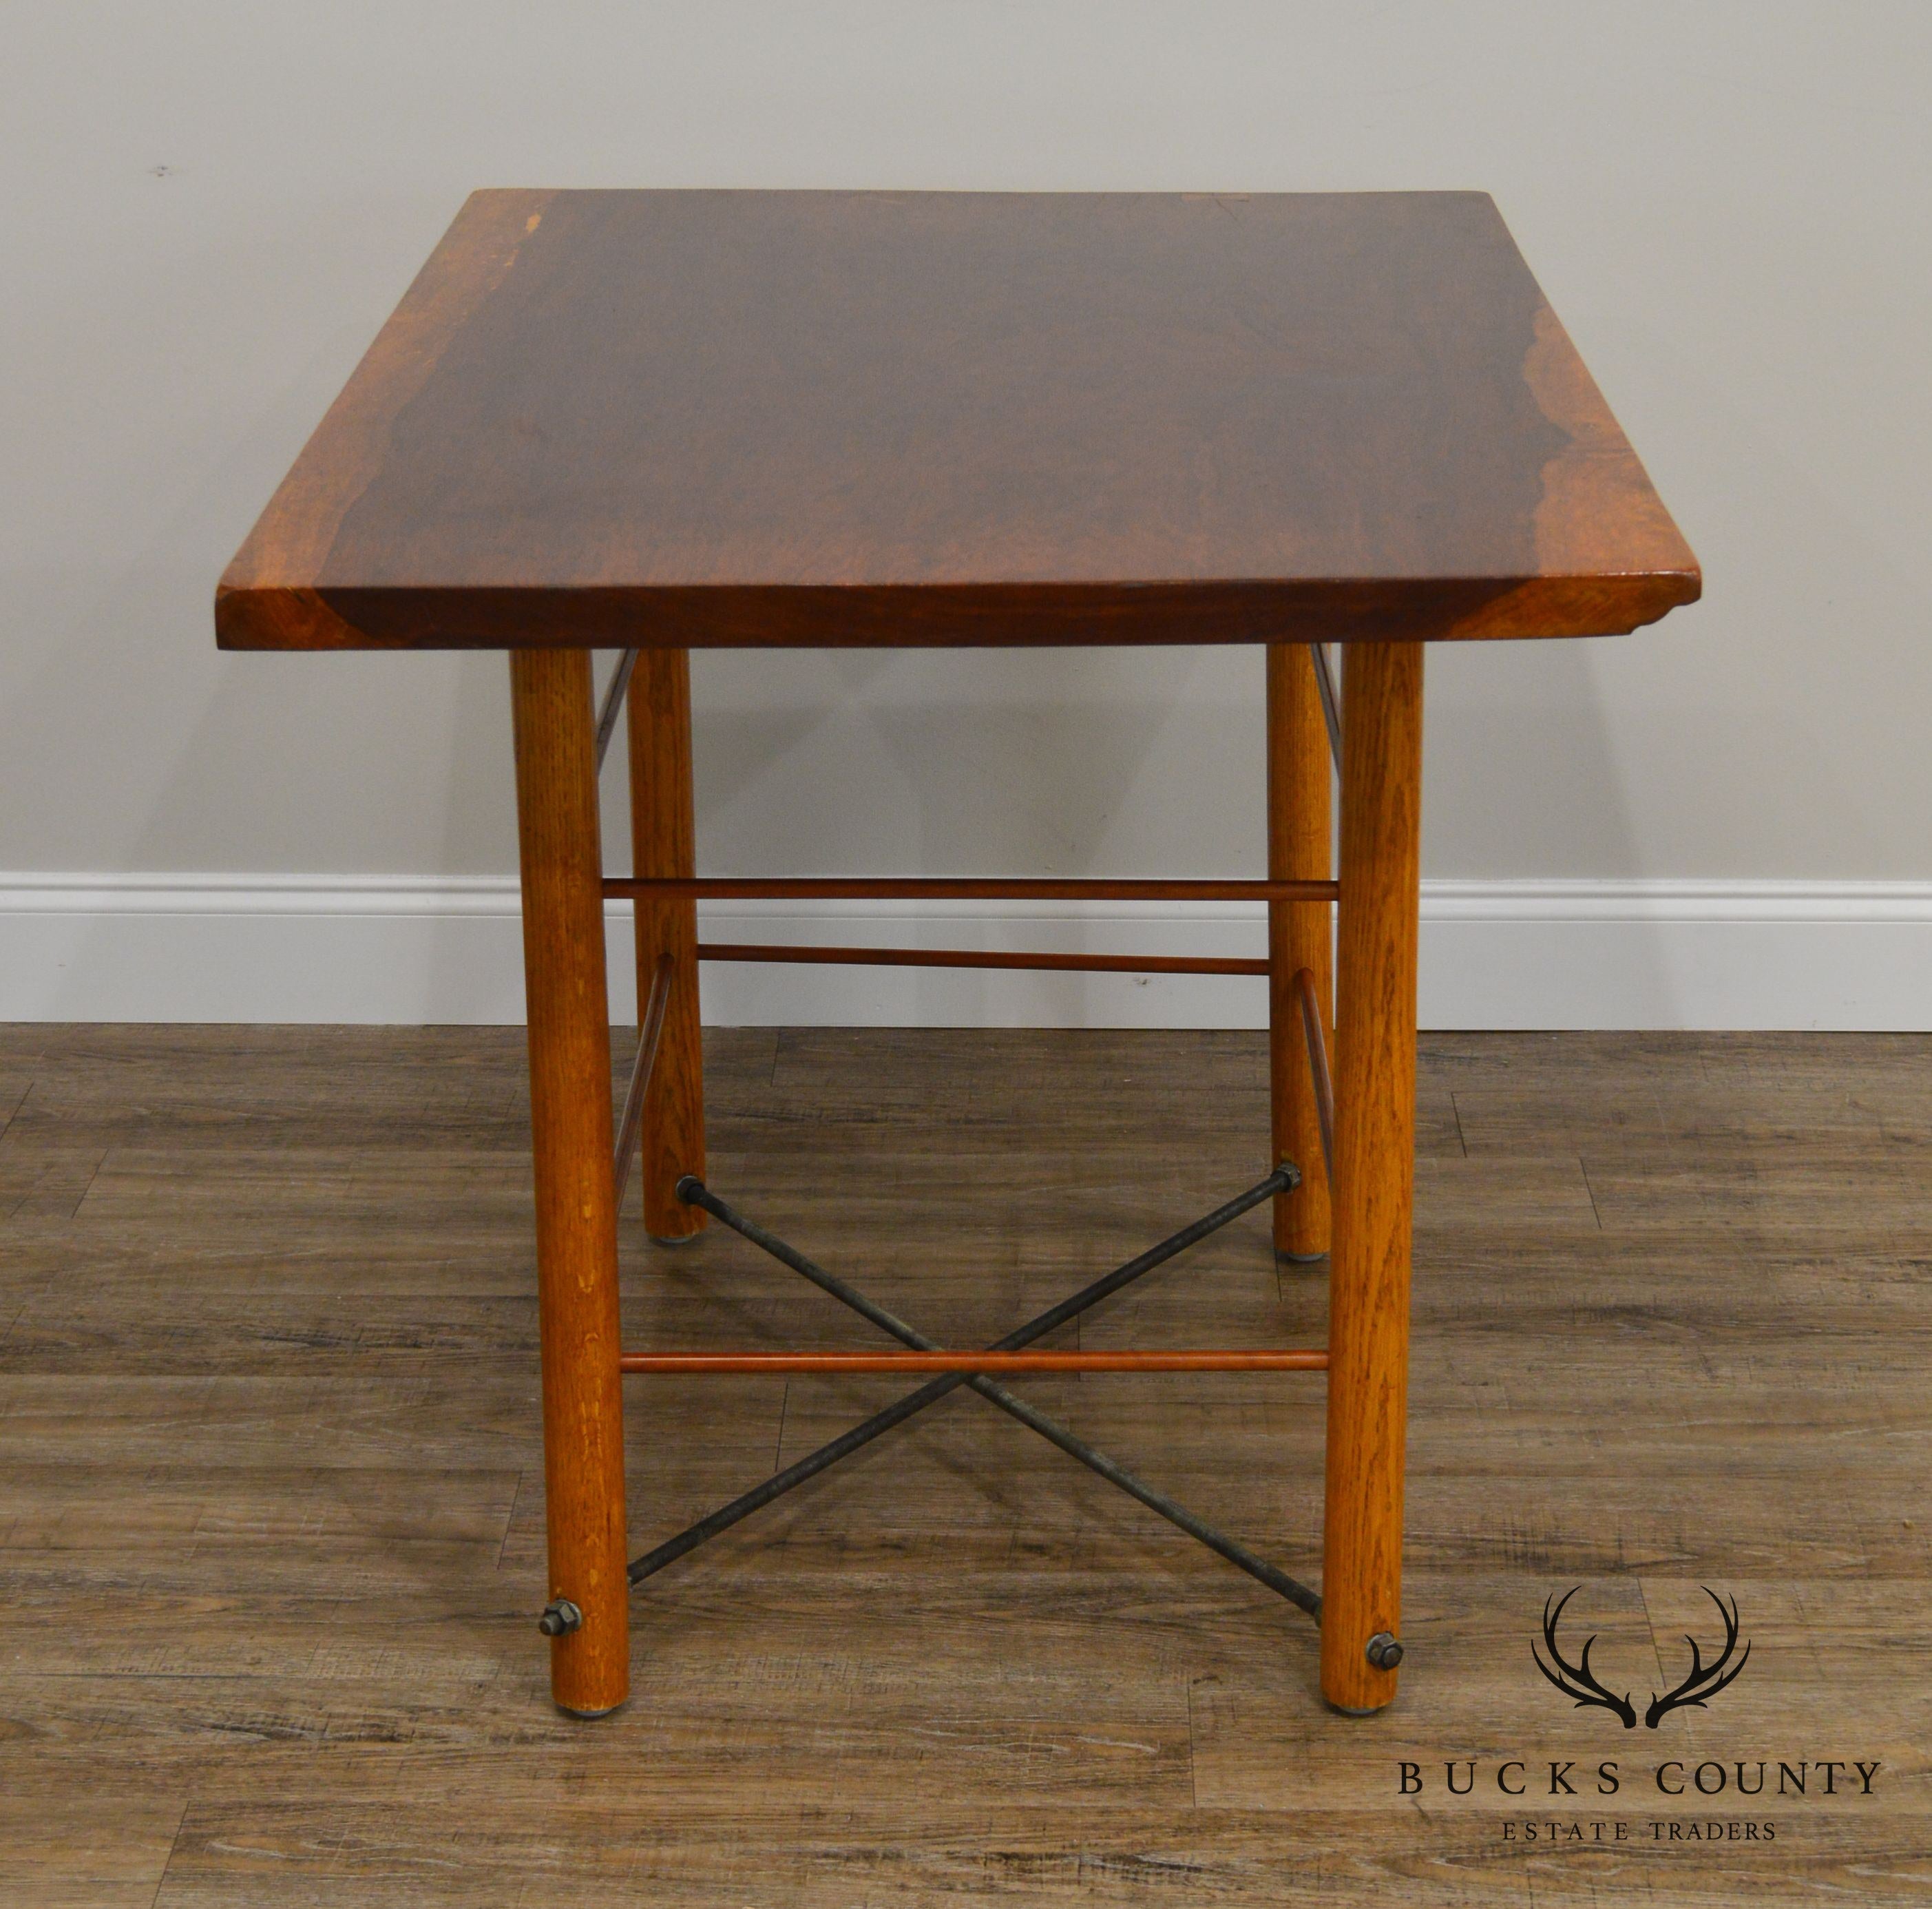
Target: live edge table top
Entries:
(701, 418)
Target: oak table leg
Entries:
(1299, 937)
(571, 1139)
(1375, 1108)
(663, 842)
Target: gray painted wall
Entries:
(211, 207)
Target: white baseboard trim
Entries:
(1495, 954)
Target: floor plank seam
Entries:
(174, 1843)
(1596, 1212)
(510, 1519)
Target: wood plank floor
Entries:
(270, 1518)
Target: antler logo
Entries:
(1704, 1681)
(1579, 1681)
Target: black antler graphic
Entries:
(1575, 1680)
(1704, 1681)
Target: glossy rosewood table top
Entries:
(696, 419)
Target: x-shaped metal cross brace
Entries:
(695, 1192)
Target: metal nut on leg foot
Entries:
(1384, 1651)
(560, 1618)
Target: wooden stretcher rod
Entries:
(965, 888)
(707, 1363)
(1075, 964)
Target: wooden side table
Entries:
(654, 421)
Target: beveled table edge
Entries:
(972, 615)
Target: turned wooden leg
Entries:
(1298, 775)
(663, 842)
(571, 1139)
(1375, 1177)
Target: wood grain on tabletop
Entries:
(685, 419)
